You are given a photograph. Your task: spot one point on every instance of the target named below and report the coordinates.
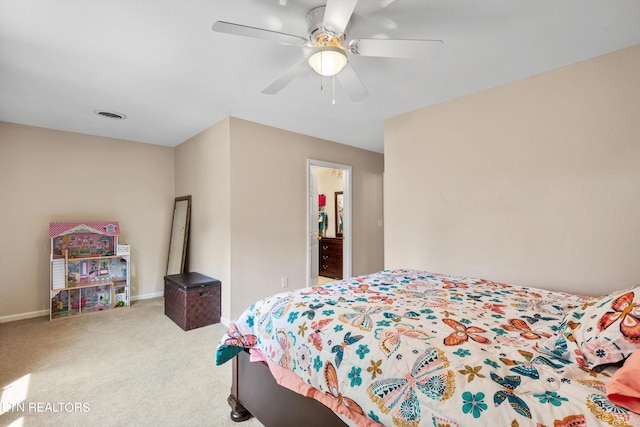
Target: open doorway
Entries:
(329, 222)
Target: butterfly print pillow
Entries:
(601, 332)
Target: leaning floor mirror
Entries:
(179, 235)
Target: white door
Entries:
(313, 242)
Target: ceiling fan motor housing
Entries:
(318, 34)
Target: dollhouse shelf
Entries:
(89, 270)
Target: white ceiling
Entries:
(159, 63)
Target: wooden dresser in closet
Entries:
(331, 257)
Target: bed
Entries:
(413, 348)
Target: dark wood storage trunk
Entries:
(192, 300)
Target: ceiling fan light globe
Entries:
(328, 61)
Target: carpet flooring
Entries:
(124, 367)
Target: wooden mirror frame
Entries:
(339, 208)
(179, 235)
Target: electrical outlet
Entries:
(285, 282)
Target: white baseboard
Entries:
(22, 316)
(39, 313)
(147, 296)
(225, 322)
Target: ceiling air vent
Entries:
(111, 115)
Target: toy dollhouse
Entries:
(89, 270)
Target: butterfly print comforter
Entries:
(412, 348)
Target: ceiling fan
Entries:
(327, 27)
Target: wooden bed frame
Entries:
(254, 392)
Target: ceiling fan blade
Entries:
(259, 33)
(395, 48)
(352, 83)
(294, 71)
(337, 15)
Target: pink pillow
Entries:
(624, 387)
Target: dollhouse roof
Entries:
(57, 229)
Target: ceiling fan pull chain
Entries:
(333, 94)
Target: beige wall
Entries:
(48, 175)
(265, 206)
(248, 223)
(535, 182)
(203, 171)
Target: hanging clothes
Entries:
(323, 223)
